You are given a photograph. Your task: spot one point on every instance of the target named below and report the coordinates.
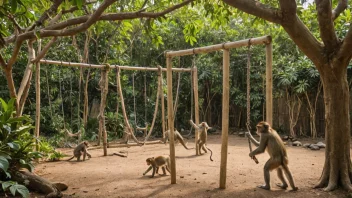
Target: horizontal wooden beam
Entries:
(217, 47)
(73, 64)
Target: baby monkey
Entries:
(162, 161)
(81, 149)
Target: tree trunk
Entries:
(37, 183)
(10, 83)
(337, 168)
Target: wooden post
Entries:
(104, 85)
(196, 106)
(37, 97)
(269, 83)
(170, 114)
(225, 117)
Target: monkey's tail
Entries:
(71, 158)
(184, 145)
(211, 154)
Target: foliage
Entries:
(16, 146)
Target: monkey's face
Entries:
(149, 161)
(86, 143)
(262, 127)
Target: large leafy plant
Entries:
(16, 147)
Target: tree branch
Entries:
(88, 20)
(345, 52)
(326, 25)
(46, 14)
(2, 62)
(288, 10)
(257, 9)
(13, 20)
(288, 19)
(15, 52)
(341, 6)
(45, 50)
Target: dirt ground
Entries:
(197, 176)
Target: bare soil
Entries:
(197, 176)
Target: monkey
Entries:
(160, 161)
(150, 168)
(81, 149)
(272, 143)
(203, 135)
(178, 137)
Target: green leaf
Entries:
(13, 6)
(26, 165)
(3, 104)
(22, 190)
(7, 184)
(13, 145)
(4, 163)
(79, 3)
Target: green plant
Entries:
(56, 155)
(16, 146)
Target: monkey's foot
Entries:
(294, 189)
(282, 186)
(265, 187)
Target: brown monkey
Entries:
(160, 161)
(81, 149)
(271, 141)
(178, 137)
(203, 135)
(150, 168)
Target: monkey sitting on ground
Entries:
(203, 135)
(81, 149)
(271, 141)
(160, 161)
(178, 137)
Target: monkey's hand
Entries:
(251, 155)
(248, 134)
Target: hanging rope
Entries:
(156, 105)
(248, 87)
(127, 124)
(249, 97)
(71, 104)
(145, 97)
(117, 96)
(178, 88)
(134, 101)
(62, 100)
(192, 85)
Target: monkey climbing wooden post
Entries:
(225, 116)
(170, 114)
(104, 85)
(196, 106)
(269, 83)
